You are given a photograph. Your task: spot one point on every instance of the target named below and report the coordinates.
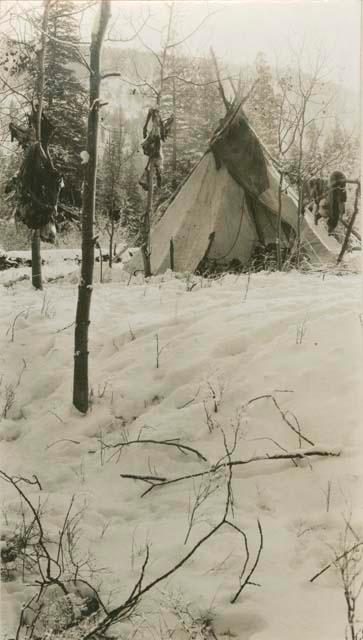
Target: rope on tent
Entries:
(251, 204)
(242, 208)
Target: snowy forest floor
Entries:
(173, 360)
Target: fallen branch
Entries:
(125, 609)
(331, 564)
(62, 440)
(156, 481)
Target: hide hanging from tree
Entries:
(328, 198)
(337, 199)
(315, 198)
(152, 145)
(38, 183)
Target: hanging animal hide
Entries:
(337, 199)
(317, 202)
(328, 198)
(152, 145)
(38, 183)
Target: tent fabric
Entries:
(233, 193)
(238, 149)
(186, 222)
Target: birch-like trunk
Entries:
(80, 378)
(279, 212)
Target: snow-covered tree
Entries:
(262, 107)
(118, 194)
(65, 97)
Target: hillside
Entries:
(202, 364)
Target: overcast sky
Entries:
(239, 29)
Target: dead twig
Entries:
(296, 429)
(245, 581)
(68, 326)
(62, 440)
(127, 607)
(331, 564)
(183, 448)
(23, 313)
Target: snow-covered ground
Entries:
(221, 344)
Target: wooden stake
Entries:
(171, 251)
(350, 225)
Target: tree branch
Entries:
(317, 575)
(226, 103)
(166, 443)
(156, 481)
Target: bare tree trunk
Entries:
(278, 239)
(36, 260)
(298, 226)
(145, 227)
(37, 281)
(80, 379)
(174, 152)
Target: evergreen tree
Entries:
(110, 192)
(342, 151)
(195, 102)
(65, 97)
(119, 199)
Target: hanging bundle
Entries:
(152, 145)
(336, 199)
(38, 183)
(328, 198)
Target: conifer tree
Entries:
(65, 97)
(262, 107)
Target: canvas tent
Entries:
(232, 193)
